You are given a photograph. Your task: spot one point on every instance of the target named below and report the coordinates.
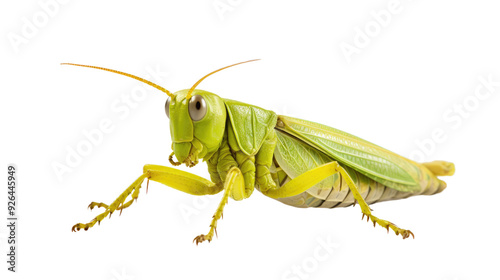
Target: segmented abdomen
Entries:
(334, 191)
(339, 195)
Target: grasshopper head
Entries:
(197, 124)
(197, 118)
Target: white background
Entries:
(423, 62)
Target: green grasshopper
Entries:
(297, 162)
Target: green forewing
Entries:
(371, 160)
(250, 124)
(296, 157)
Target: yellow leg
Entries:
(306, 180)
(177, 179)
(234, 186)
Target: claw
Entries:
(407, 234)
(197, 239)
(77, 227)
(200, 238)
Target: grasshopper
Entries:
(297, 162)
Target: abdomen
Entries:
(292, 157)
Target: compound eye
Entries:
(197, 107)
(167, 107)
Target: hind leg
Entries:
(310, 178)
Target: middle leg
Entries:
(234, 184)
